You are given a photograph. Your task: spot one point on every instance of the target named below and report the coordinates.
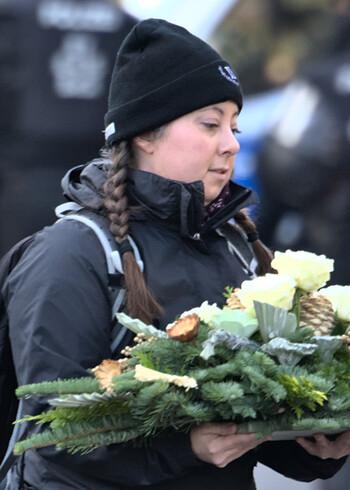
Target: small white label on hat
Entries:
(110, 129)
(229, 74)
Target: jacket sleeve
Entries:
(292, 461)
(59, 312)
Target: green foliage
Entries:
(148, 395)
(215, 373)
(302, 334)
(259, 381)
(59, 416)
(125, 385)
(163, 413)
(170, 356)
(228, 292)
(221, 392)
(334, 423)
(296, 303)
(60, 387)
(85, 445)
(199, 412)
(72, 435)
(341, 327)
(301, 394)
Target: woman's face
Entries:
(201, 145)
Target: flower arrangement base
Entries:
(287, 435)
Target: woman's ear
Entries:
(144, 143)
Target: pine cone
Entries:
(233, 302)
(316, 311)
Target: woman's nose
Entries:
(229, 142)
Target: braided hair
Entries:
(262, 254)
(139, 300)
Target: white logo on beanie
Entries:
(110, 130)
(229, 74)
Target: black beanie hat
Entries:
(162, 72)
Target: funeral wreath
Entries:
(274, 359)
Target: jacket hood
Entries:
(83, 184)
(178, 203)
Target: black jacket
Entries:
(59, 311)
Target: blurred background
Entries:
(293, 59)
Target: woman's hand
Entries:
(324, 448)
(219, 444)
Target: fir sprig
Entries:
(302, 394)
(60, 387)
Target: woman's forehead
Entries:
(227, 108)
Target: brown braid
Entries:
(139, 300)
(262, 254)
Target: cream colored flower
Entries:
(205, 311)
(339, 296)
(274, 289)
(309, 270)
(145, 374)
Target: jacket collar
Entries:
(177, 204)
(182, 204)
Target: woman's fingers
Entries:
(324, 448)
(319, 447)
(241, 445)
(220, 444)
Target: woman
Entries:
(171, 124)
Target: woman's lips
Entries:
(219, 171)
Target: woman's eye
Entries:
(210, 125)
(236, 131)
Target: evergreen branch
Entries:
(195, 413)
(85, 445)
(86, 384)
(223, 392)
(122, 386)
(83, 399)
(268, 386)
(301, 394)
(215, 373)
(331, 423)
(59, 416)
(72, 431)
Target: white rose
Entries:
(274, 289)
(309, 270)
(205, 311)
(339, 296)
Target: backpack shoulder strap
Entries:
(238, 245)
(99, 226)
